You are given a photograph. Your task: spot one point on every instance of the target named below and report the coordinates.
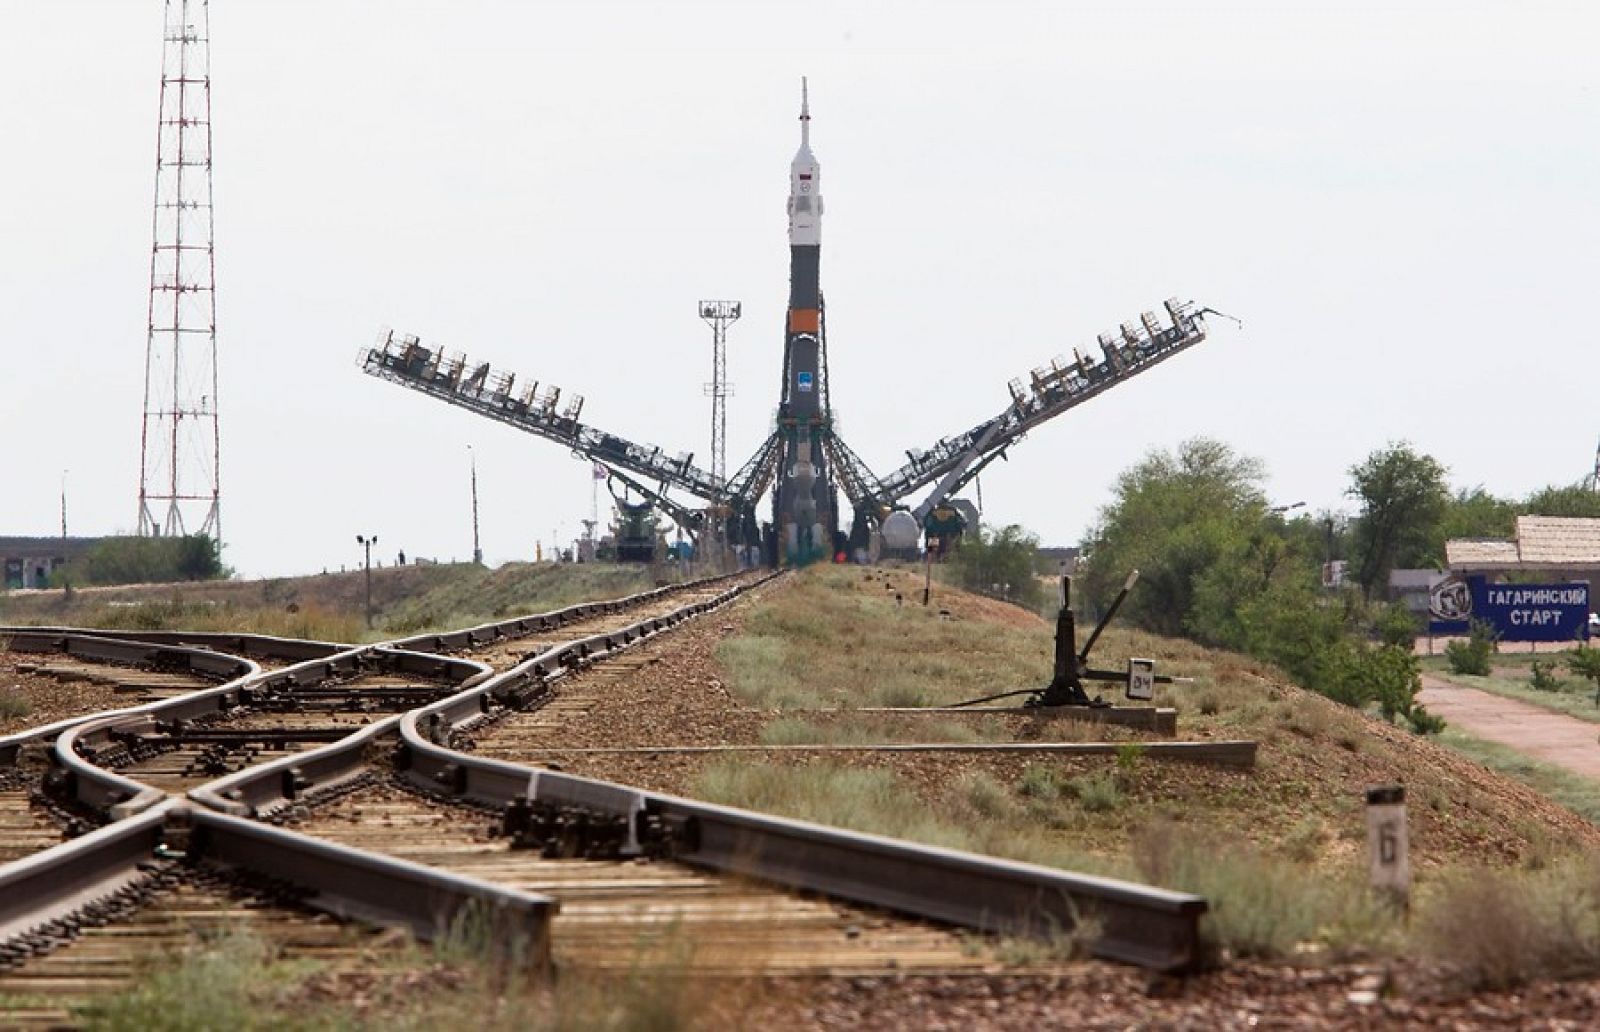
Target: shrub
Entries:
(1039, 782)
(1585, 662)
(1395, 625)
(1544, 675)
(1097, 793)
(1472, 656)
(148, 560)
(12, 705)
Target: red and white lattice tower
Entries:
(179, 485)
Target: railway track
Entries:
(355, 752)
(125, 766)
(617, 910)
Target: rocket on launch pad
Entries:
(804, 507)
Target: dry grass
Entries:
(332, 607)
(13, 706)
(1498, 929)
(832, 639)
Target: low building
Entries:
(28, 562)
(1412, 588)
(1546, 549)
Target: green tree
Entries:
(1175, 517)
(1475, 513)
(1007, 557)
(1573, 500)
(1403, 503)
(147, 560)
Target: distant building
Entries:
(27, 562)
(1547, 549)
(1051, 557)
(1413, 588)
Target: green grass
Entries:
(1579, 794)
(1574, 698)
(226, 982)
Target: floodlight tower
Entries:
(719, 315)
(179, 453)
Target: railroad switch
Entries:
(1072, 666)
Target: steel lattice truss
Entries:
(950, 463)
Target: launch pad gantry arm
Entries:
(404, 360)
(1049, 391)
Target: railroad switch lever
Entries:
(1072, 666)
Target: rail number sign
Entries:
(1142, 679)
(1388, 841)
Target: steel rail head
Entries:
(266, 788)
(235, 670)
(120, 796)
(264, 646)
(60, 882)
(1138, 924)
(357, 884)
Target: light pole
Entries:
(477, 549)
(368, 541)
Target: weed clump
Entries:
(13, 705)
(1097, 793)
(1499, 929)
(1262, 906)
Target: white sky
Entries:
(1399, 200)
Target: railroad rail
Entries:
(503, 835)
(1150, 927)
(157, 858)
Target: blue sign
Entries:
(804, 380)
(1517, 612)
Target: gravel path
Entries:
(1545, 735)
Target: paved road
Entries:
(1532, 730)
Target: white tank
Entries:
(900, 531)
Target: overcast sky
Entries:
(1399, 200)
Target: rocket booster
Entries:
(803, 500)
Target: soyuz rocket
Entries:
(803, 502)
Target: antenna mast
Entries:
(179, 453)
(719, 315)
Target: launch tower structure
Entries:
(180, 454)
(804, 461)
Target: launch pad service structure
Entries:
(803, 460)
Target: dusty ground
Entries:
(1541, 733)
(1100, 996)
(46, 700)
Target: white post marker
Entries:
(1142, 679)
(1388, 841)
